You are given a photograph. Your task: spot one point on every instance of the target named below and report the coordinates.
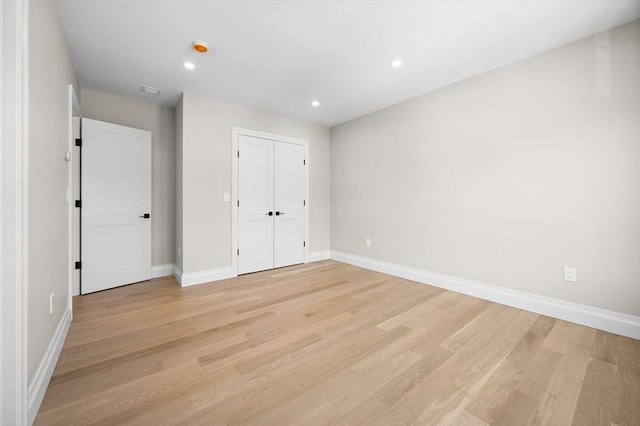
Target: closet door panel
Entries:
(289, 204)
(255, 197)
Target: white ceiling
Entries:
(280, 55)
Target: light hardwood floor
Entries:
(332, 344)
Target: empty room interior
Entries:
(320, 212)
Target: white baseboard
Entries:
(38, 386)
(177, 273)
(317, 256)
(158, 271)
(602, 319)
(187, 279)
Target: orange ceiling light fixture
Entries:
(200, 46)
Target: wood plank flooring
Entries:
(332, 344)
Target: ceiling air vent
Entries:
(150, 90)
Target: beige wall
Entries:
(206, 176)
(50, 73)
(160, 122)
(506, 177)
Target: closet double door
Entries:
(271, 204)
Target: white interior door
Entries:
(289, 204)
(271, 204)
(255, 204)
(116, 205)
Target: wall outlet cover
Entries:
(569, 274)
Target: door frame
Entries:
(14, 119)
(236, 132)
(73, 163)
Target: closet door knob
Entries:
(279, 213)
(269, 214)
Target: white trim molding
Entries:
(73, 275)
(14, 117)
(186, 279)
(317, 256)
(177, 273)
(38, 386)
(158, 271)
(602, 319)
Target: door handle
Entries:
(279, 213)
(145, 216)
(269, 214)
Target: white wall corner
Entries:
(317, 256)
(209, 275)
(38, 386)
(158, 271)
(602, 319)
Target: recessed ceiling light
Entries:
(315, 103)
(189, 65)
(397, 63)
(200, 46)
(150, 90)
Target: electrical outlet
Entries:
(367, 242)
(569, 274)
(226, 196)
(51, 304)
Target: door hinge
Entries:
(238, 154)
(78, 142)
(304, 202)
(304, 162)
(304, 244)
(79, 204)
(238, 252)
(238, 203)
(78, 265)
